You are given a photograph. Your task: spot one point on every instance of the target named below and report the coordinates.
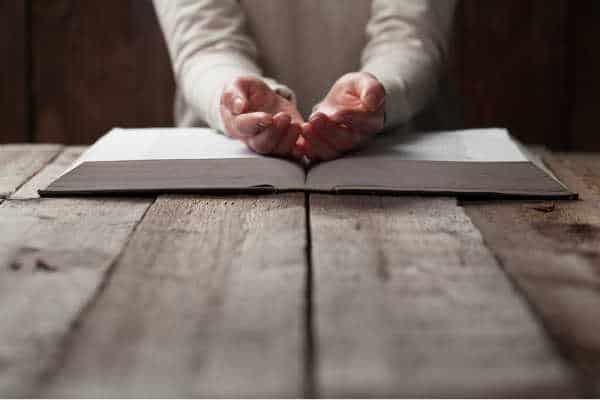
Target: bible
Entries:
(480, 162)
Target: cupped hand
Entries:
(258, 116)
(347, 118)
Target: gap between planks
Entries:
(408, 301)
(40, 180)
(54, 340)
(207, 299)
(53, 256)
(310, 365)
(21, 162)
(313, 361)
(551, 251)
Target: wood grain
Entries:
(584, 84)
(514, 67)
(97, 65)
(48, 174)
(54, 255)
(74, 68)
(14, 74)
(552, 252)
(409, 302)
(18, 163)
(207, 300)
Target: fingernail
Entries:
(238, 105)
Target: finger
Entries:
(254, 89)
(248, 84)
(267, 141)
(237, 97)
(288, 141)
(227, 119)
(338, 137)
(360, 121)
(250, 124)
(264, 142)
(242, 126)
(344, 139)
(281, 123)
(372, 92)
(300, 150)
(316, 148)
(234, 101)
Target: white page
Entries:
(485, 145)
(163, 144)
(468, 161)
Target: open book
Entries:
(157, 160)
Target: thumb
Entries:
(235, 97)
(239, 105)
(372, 93)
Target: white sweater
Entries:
(301, 47)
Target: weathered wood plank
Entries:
(552, 251)
(409, 302)
(508, 32)
(207, 300)
(88, 77)
(49, 173)
(584, 62)
(20, 162)
(54, 255)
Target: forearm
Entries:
(409, 81)
(206, 79)
(406, 52)
(209, 48)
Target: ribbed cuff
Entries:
(396, 104)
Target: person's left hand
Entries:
(349, 116)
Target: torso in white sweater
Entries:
(305, 45)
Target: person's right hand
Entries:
(255, 114)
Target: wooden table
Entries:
(296, 295)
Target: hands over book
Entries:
(483, 162)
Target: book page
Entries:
(163, 144)
(175, 158)
(484, 145)
(479, 160)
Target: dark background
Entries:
(72, 69)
